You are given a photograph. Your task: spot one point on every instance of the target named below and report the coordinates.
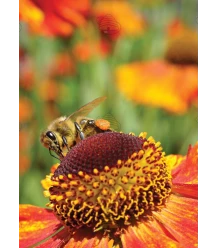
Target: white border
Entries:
(9, 129)
(207, 123)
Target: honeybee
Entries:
(65, 132)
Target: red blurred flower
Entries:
(151, 200)
(59, 17)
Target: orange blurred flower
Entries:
(84, 51)
(62, 65)
(24, 163)
(58, 18)
(129, 195)
(117, 17)
(159, 84)
(182, 46)
(25, 109)
(49, 90)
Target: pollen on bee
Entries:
(102, 124)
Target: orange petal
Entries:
(187, 172)
(146, 235)
(58, 240)
(35, 224)
(78, 241)
(56, 25)
(180, 218)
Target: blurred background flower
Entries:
(53, 17)
(141, 54)
(159, 84)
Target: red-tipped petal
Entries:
(35, 224)
(187, 171)
(180, 218)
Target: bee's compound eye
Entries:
(51, 135)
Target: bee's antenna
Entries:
(52, 154)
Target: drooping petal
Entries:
(180, 218)
(187, 171)
(146, 235)
(35, 224)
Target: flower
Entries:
(56, 18)
(116, 190)
(118, 17)
(30, 13)
(159, 84)
(182, 45)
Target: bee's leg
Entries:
(78, 129)
(65, 142)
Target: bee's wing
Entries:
(87, 108)
(114, 124)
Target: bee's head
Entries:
(49, 140)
